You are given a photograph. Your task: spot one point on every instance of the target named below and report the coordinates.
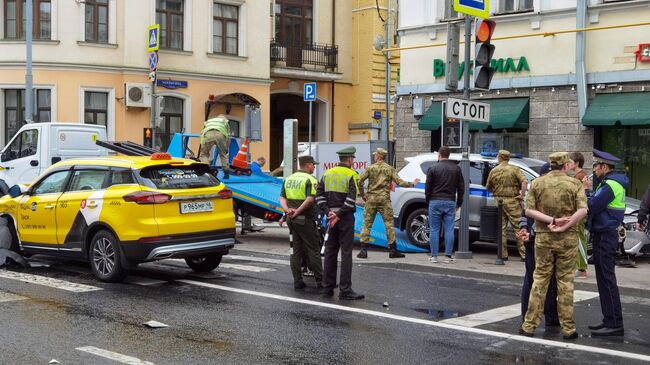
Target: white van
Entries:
(37, 146)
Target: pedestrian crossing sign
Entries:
(153, 43)
(477, 8)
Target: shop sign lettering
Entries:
(501, 65)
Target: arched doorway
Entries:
(291, 106)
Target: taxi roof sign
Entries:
(477, 8)
(153, 38)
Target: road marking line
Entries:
(507, 312)
(139, 280)
(478, 331)
(245, 267)
(257, 259)
(124, 359)
(8, 297)
(45, 281)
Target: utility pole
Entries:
(29, 83)
(463, 237)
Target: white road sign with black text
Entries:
(468, 110)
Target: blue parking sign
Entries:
(309, 91)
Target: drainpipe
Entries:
(29, 86)
(581, 75)
(332, 83)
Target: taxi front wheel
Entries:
(204, 263)
(106, 258)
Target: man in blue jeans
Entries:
(443, 192)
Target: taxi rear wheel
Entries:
(204, 263)
(106, 258)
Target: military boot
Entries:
(226, 174)
(363, 254)
(393, 254)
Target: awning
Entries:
(432, 117)
(626, 108)
(504, 114)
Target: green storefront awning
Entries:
(504, 114)
(626, 108)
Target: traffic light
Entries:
(483, 52)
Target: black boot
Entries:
(363, 254)
(393, 254)
(226, 174)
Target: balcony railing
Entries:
(297, 55)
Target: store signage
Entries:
(172, 84)
(643, 52)
(501, 65)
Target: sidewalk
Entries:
(275, 241)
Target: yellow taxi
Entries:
(119, 211)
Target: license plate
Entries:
(196, 207)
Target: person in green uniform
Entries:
(216, 131)
(297, 201)
(380, 175)
(507, 183)
(558, 203)
(336, 196)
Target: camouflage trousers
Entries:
(214, 138)
(511, 214)
(581, 262)
(370, 211)
(553, 252)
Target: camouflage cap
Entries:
(558, 158)
(307, 159)
(504, 154)
(347, 152)
(381, 151)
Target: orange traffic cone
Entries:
(240, 159)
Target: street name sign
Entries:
(153, 38)
(477, 8)
(468, 110)
(309, 91)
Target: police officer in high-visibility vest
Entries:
(606, 212)
(336, 196)
(216, 131)
(297, 200)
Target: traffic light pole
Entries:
(463, 231)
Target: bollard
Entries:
(499, 260)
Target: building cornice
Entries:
(305, 74)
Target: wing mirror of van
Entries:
(17, 190)
(3, 156)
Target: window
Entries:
(508, 6)
(96, 108)
(178, 177)
(15, 19)
(15, 110)
(169, 14)
(53, 183)
(87, 180)
(294, 22)
(234, 127)
(24, 145)
(121, 176)
(225, 28)
(172, 121)
(96, 21)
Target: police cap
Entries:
(504, 154)
(306, 159)
(559, 158)
(604, 157)
(381, 151)
(347, 152)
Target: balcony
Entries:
(319, 61)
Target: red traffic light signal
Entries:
(483, 53)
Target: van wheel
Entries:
(204, 263)
(417, 227)
(106, 258)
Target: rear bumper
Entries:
(179, 246)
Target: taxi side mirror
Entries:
(17, 190)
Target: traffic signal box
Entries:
(483, 53)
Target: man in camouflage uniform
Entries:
(557, 202)
(216, 132)
(508, 183)
(380, 175)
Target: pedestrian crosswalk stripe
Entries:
(8, 297)
(478, 331)
(45, 281)
(124, 359)
(256, 259)
(507, 312)
(245, 268)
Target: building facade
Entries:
(555, 88)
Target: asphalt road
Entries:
(246, 312)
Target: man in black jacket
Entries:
(642, 217)
(443, 192)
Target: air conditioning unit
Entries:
(137, 95)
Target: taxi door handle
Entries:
(49, 207)
(92, 205)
